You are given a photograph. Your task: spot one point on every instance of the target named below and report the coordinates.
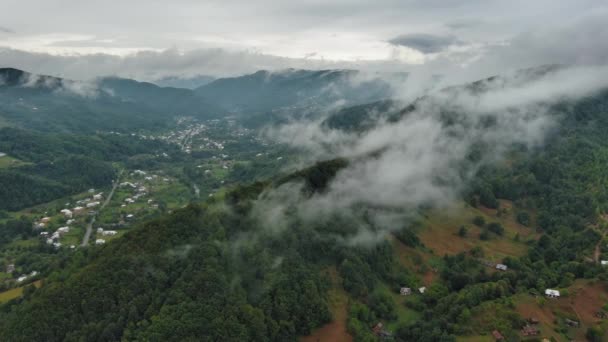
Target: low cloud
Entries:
(6, 30)
(423, 158)
(425, 43)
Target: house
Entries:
(68, 222)
(530, 330)
(100, 241)
(497, 335)
(422, 289)
(63, 230)
(109, 233)
(10, 268)
(91, 190)
(92, 204)
(97, 197)
(45, 220)
(501, 267)
(552, 293)
(57, 244)
(44, 233)
(78, 210)
(405, 291)
(21, 278)
(67, 213)
(604, 262)
(571, 323)
(130, 216)
(99, 230)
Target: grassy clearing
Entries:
(439, 232)
(584, 299)
(8, 162)
(338, 303)
(16, 292)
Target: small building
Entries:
(63, 230)
(92, 204)
(21, 278)
(67, 213)
(78, 210)
(405, 291)
(45, 220)
(552, 293)
(97, 197)
(100, 241)
(501, 267)
(572, 323)
(422, 290)
(44, 233)
(10, 268)
(109, 233)
(497, 335)
(530, 330)
(604, 262)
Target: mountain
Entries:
(298, 90)
(274, 260)
(184, 82)
(49, 103)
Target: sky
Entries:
(150, 39)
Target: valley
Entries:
(213, 224)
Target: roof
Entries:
(497, 335)
(550, 292)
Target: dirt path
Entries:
(87, 234)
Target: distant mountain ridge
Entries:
(298, 89)
(48, 103)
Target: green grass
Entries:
(16, 292)
(8, 162)
(404, 314)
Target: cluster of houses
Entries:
(102, 232)
(53, 239)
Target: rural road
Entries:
(87, 234)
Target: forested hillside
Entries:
(56, 165)
(215, 271)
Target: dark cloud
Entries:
(425, 43)
(6, 30)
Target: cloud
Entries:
(6, 30)
(426, 43)
(423, 158)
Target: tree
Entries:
(479, 221)
(463, 231)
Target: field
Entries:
(439, 232)
(16, 292)
(8, 161)
(584, 299)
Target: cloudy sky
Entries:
(151, 38)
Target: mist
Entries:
(423, 158)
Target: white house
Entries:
(604, 262)
(67, 213)
(92, 204)
(97, 197)
(99, 230)
(63, 230)
(552, 293)
(22, 278)
(405, 291)
(108, 233)
(501, 267)
(100, 241)
(422, 290)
